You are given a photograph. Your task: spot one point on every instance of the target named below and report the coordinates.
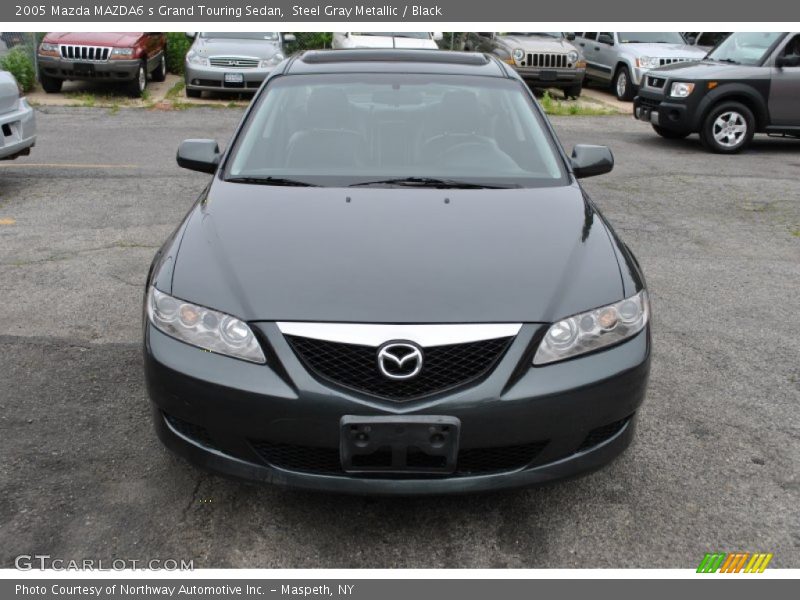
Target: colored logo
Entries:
(734, 562)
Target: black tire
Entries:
(51, 85)
(138, 85)
(728, 128)
(160, 73)
(573, 92)
(190, 93)
(621, 85)
(669, 133)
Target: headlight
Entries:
(121, 52)
(518, 54)
(202, 327)
(193, 58)
(594, 329)
(48, 47)
(681, 89)
(572, 57)
(647, 62)
(271, 62)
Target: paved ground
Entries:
(714, 467)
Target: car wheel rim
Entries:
(622, 83)
(729, 129)
(142, 79)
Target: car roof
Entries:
(366, 60)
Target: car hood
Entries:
(120, 40)
(710, 69)
(9, 92)
(378, 41)
(226, 47)
(537, 43)
(396, 255)
(666, 50)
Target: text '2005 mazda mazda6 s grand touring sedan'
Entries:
(394, 284)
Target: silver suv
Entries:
(622, 59)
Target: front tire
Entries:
(573, 92)
(160, 74)
(669, 133)
(51, 85)
(623, 87)
(137, 87)
(728, 128)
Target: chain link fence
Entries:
(18, 56)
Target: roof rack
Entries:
(394, 55)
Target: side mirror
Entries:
(691, 40)
(588, 161)
(437, 36)
(787, 61)
(570, 36)
(191, 34)
(199, 155)
(604, 38)
(289, 37)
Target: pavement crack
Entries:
(193, 500)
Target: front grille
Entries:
(601, 434)
(546, 60)
(233, 62)
(672, 61)
(325, 461)
(356, 367)
(656, 82)
(85, 53)
(194, 432)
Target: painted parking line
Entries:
(7, 221)
(66, 166)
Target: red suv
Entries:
(127, 58)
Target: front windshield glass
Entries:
(340, 130)
(241, 35)
(746, 48)
(650, 37)
(419, 35)
(552, 34)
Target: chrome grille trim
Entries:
(369, 334)
(546, 60)
(669, 61)
(85, 53)
(233, 62)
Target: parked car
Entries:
(125, 58)
(705, 40)
(621, 59)
(386, 39)
(17, 120)
(544, 59)
(748, 84)
(394, 283)
(232, 61)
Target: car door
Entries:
(784, 106)
(605, 55)
(586, 43)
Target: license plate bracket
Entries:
(83, 69)
(399, 444)
(547, 75)
(234, 79)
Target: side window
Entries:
(793, 47)
(603, 34)
(590, 36)
(712, 38)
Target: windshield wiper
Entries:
(271, 181)
(432, 182)
(727, 60)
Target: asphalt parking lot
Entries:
(714, 466)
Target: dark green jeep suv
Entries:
(748, 84)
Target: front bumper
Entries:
(212, 79)
(18, 134)
(220, 413)
(655, 108)
(111, 70)
(556, 78)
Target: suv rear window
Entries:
(346, 129)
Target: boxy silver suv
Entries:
(621, 59)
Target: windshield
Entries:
(552, 34)
(746, 48)
(650, 37)
(419, 35)
(340, 130)
(242, 35)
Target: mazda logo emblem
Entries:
(399, 360)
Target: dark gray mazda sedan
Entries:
(395, 284)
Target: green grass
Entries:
(562, 108)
